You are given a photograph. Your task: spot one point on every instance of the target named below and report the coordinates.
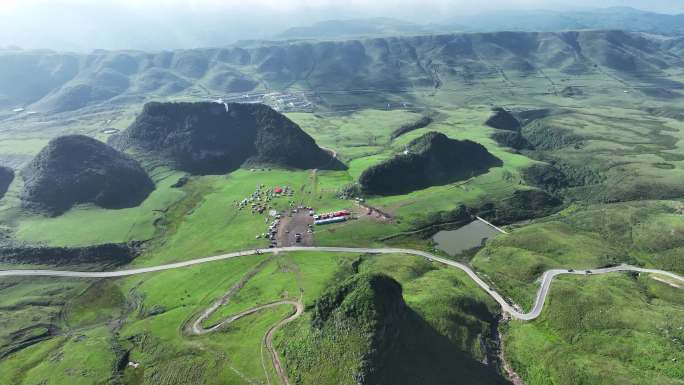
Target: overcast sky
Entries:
(382, 6)
(166, 24)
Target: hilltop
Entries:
(430, 160)
(78, 169)
(369, 334)
(213, 138)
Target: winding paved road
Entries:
(542, 293)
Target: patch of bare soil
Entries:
(366, 211)
(297, 221)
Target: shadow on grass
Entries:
(422, 355)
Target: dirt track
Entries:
(197, 329)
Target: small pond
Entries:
(455, 242)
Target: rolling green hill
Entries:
(369, 335)
(213, 138)
(77, 169)
(430, 160)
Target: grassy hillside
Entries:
(369, 335)
(432, 159)
(616, 329)
(77, 342)
(644, 233)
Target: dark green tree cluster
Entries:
(77, 169)
(213, 138)
(406, 128)
(431, 160)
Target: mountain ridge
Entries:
(73, 82)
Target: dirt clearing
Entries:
(295, 229)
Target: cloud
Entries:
(167, 24)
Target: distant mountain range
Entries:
(332, 29)
(618, 18)
(50, 82)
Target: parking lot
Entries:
(292, 224)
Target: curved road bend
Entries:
(268, 338)
(197, 328)
(508, 308)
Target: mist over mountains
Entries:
(619, 18)
(85, 27)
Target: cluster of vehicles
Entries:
(271, 232)
(260, 200)
(299, 212)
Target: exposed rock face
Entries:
(212, 138)
(503, 120)
(78, 169)
(6, 178)
(431, 160)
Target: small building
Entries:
(330, 220)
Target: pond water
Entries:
(454, 242)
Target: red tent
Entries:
(277, 190)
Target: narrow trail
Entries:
(196, 328)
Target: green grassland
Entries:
(614, 329)
(199, 219)
(87, 224)
(142, 318)
(596, 330)
(452, 329)
(645, 233)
